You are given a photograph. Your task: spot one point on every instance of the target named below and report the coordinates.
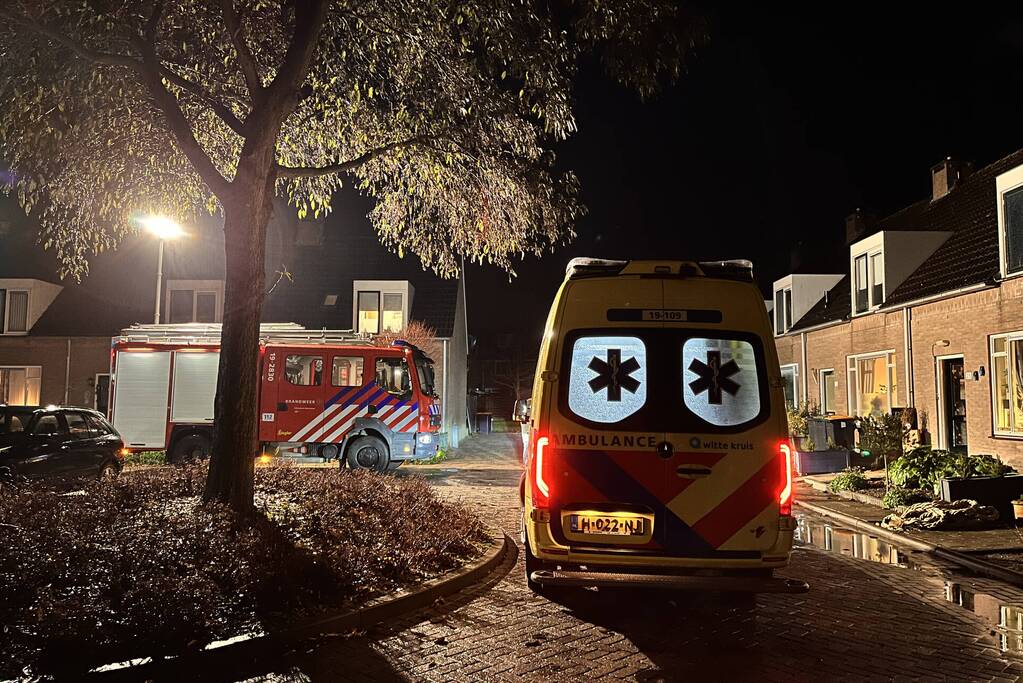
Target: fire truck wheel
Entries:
(368, 453)
(189, 449)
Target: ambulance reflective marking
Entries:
(744, 503)
(707, 494)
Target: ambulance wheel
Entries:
(368, 453)
(189, 449)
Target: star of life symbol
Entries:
(614, 375)
(714, 378)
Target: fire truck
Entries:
(323, 394)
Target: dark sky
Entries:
(787, 121)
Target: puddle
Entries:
(1005, 620)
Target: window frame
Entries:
(287, 377)
(26, 368)
(820, 381)
(1006, 183)
(333, 364)
(871, 258)
(196, 288)
(5, 314)
(359, 309)
(783, 313)
(1008, 337)
(851, 365)
(795, 382)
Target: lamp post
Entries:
(164, 229)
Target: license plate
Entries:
(608, 526)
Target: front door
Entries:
(953, 402)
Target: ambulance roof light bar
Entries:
(736, 269)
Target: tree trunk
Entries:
(235, 436)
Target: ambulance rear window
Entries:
(664, 380)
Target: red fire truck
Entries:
(323, 394)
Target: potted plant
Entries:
(983, 478)
(881, 439)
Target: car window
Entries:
(392, 375)
(721, 384)
(12, 422)
(607, 380)
(98, 424)
(77, 426)
(47, 424)
(304, 371)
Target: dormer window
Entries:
(1011, 215)
(194, 301)
(13, 311)
(782, 310)
(381, 305)
(868, 281)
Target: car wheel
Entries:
(109, 471)
(189, 449)
(368, 453)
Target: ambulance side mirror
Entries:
(520, 413)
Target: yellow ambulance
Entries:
(658, 453)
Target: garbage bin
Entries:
(484, 422)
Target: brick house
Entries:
(928, 315)
(55, 335)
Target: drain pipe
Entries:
(806, 370)
(67, 373)
(907, 343)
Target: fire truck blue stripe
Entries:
(354, 398)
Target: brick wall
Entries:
(89, 356)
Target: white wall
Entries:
(807, 290)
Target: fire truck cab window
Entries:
(347, 371)
(305, 371)
(393, 375)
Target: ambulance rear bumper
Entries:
(741, 584)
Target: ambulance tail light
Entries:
(541, 473)
(785, 495)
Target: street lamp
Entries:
(164, 229)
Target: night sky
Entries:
(783, 126)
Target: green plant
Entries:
(983, 465)
(921, 467)
(897, 497)
(146, 458)
(882, 434)
(799, 416)
(441, 456)
(852, 479)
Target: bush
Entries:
(881, 435)
(897, 497)
(925, 467)
(851, 479)
(146, 458)
(139, 567)
(798, 416)
(441, 456)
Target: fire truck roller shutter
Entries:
(195, 386)
(142, 379)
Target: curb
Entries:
(981, 567)
(370, 614)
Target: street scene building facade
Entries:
(55, 336)
(928, 315)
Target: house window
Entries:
(347, 371)
(782, 310)
(1007, 383)
(868, 281)
(392, 313)
(369, 312)
(192, 306)
(19, 386)
(1012, 207)
(873, 384)
(829, 391)
(13, 311)
(790, 377)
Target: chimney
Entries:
(857, 225)
(946, 174)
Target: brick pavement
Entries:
(860, 621)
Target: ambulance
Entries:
(658, 453)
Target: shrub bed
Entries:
(139, 567)
(852, 479)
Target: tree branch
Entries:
(245, 59)
(350, 165)
(220, 109)
(309, 18)
(73, 45)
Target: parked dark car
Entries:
(57, 443)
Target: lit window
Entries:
(347, 371)
(790, 377)
(1007, 382)
(304, 371)
(392, 314)
(19, 386)
(1012, 206)
(369, 312)
(13, 311)
(829, 391)
(873, 384)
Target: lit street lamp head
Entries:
(162, 227)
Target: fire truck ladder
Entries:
(209, 333)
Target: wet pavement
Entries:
(874, 612)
